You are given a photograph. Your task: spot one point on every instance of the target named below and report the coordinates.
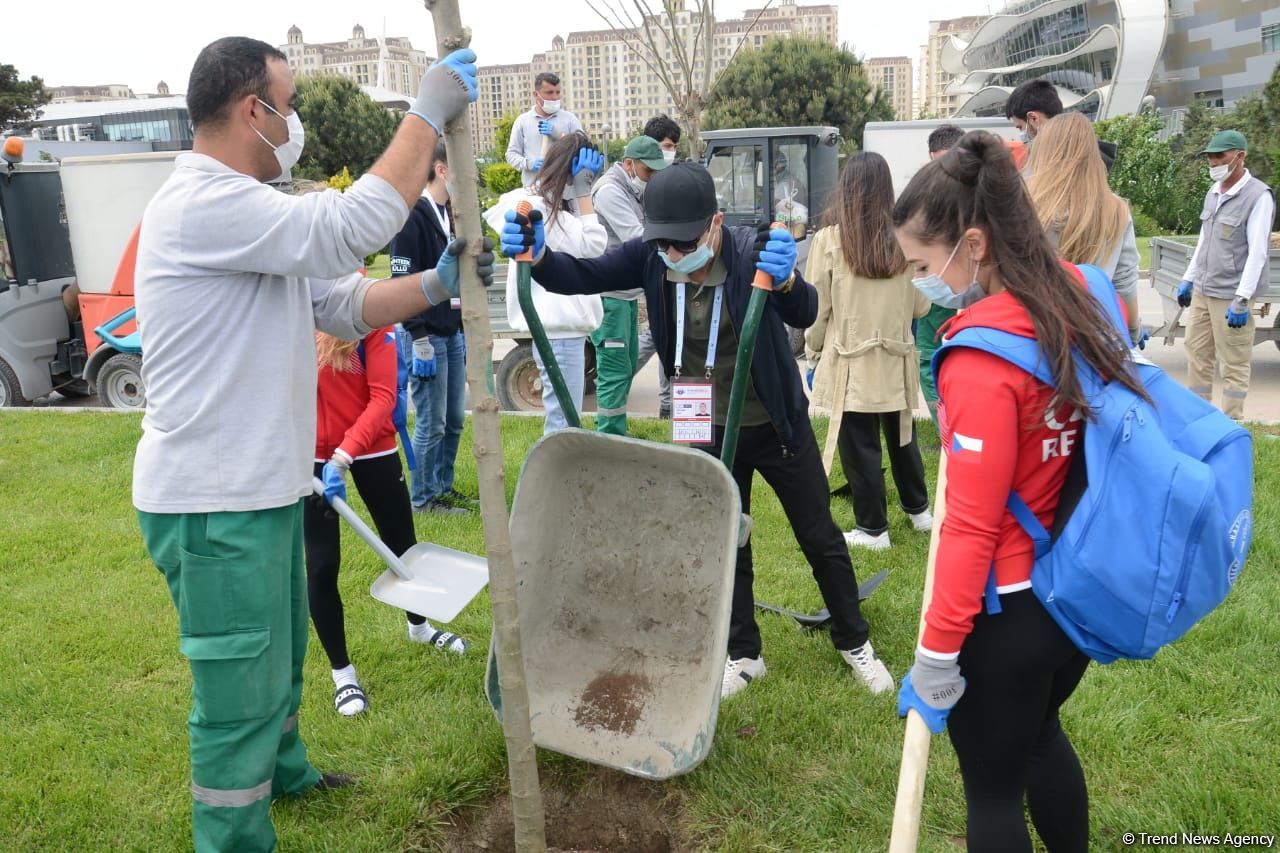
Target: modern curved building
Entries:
(1105, 56)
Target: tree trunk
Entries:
(526, 796)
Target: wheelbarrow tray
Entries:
(625, 552)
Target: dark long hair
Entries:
(557, 173)
(975, 184)
(863, 214)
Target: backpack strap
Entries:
(1102, 289)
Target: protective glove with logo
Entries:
(334, 475)
(1184, 294)
(931, 688)
(441, 284)
(424, 359)
(587, 164)
(446, 89)
(522, 232)
(1238, 312)
(775, 253)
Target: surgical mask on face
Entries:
(448, 188)
(1222, 172)
(690, 263)
(937, 291)
(637, 185)
(1024, 137)
(551, 107)
(287, 152)
(669, 156)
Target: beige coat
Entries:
(862, 343)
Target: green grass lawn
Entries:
(94, 695)
(1144, 253)
(380, 268)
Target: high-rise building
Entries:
(935, 101)
(83, 94)
(1106, 56)
(389, 69)
(892, 74)
(611, 89)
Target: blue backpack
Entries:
(1161, 528)
(400, 414)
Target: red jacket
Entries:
(354, 405)
(999, 435)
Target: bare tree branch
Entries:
(623, 30)
(741, 42)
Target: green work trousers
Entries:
(239, 584)
(927, 342)
(617, 344)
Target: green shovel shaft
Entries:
(742, 375)
(524, 291)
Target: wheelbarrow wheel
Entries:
(10, 388)
(519, 383)
(120, 382)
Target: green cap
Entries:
(1226, 140)
(647, 151)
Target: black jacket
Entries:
(418, 247)
(634, 264)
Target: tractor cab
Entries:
(777, 174)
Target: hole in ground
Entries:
(602, 811)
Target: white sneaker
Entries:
(868, 668)
(443, 640)
(865, 540)
(739, 673)
(921, 521)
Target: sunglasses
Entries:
(680, 246)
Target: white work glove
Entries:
(446, 89)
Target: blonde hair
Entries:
(334, 352)
(1067, 183)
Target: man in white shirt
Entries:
(1229, 264)
(232, 280)
(533, 131)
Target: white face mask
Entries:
(1221, 173)
(287, 152)
(551, 107)
(937, 291)
(669, 156)
(637, 185)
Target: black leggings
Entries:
(1019, 668)
(380, 482)
(860, 455)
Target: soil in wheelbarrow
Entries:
(599, 811)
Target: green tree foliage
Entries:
(797, 81)
(1149, 173)
(20, 100)
(501, 177)
(345, 127)
(502, 134)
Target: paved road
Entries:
(1263, 402)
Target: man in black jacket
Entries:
(689, 263)
(433, 346)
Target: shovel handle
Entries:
(761, 287)
(349, 515)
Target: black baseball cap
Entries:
(679, 202)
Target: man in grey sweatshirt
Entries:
(233, 278)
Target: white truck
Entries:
(905, 144)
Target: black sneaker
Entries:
(334, 781)
(664, 413)
(455, 498)
(440, 506)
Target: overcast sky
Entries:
(137, 43)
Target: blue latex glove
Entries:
(446, 89)
(424, 359)
(1184, 294)
(334, 477)
(587, 163)
(1144, 335)
(544, 126)
(808, 377)
(775, 253)
(942, 684)
(521, 232)
(1238, 312)
(441, 283)
(537, 165)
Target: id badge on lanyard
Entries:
(456, 302)
(693, 404)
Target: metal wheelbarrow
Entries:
(625, 550)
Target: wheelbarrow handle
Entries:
(349, 515)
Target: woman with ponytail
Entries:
(970, 235)
(355, 397)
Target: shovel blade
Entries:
(441, 582)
